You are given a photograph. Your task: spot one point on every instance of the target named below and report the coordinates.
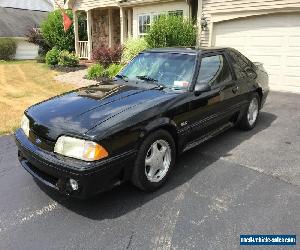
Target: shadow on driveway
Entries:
(125, 198)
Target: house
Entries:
(265, 31)
(111, 22)
(17, 17)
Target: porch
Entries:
(109, 26)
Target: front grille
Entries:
(41, 142)
(51, 179)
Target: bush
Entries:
(8, 48)
(52, 31)
(67, 59)
(106, 55)
(41, 58)
(61, 58)
(132, 47)
(34, 36)
(52, 56)
(95, 71)
(113, 70)
(169, 31)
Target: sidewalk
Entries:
(76, 78)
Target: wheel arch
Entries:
(164, 123)
(260, 93)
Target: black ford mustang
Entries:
(164, 102)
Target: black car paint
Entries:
(119, 115)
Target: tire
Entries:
(150, 156)
(246, 123)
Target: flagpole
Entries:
(61, 9)
(67, 22)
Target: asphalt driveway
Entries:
(237, 183)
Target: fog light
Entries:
(74, 184)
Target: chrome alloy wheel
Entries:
(252, 111)
(158, 160)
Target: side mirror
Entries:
(201, 88)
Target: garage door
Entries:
(273, 40)
(26, 50)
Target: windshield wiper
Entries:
(150, 79)
(146, 78)
(123, 77)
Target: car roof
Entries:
(189, 50)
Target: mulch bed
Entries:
(68, 69)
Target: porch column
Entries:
(75, 20)
(89, 32)
(110, 28)
(129, 23)
(199, 15)
(123, 25)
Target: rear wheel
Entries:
(155, 159)
(249, 118)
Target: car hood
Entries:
(76, 112)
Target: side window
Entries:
(240, 63)
(214, 70)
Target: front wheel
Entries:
(249, 119)
(156, 158)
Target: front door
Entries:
(214, 108)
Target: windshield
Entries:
(172, 70)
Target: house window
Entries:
(144, 24)
(157, 15)
(176, 13)
(145, 20)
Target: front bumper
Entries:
(55, 171)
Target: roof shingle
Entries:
(17, 22)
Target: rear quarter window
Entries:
(239, 63)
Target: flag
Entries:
(67, 21)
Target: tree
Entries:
(52, 30)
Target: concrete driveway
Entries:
(238, 183)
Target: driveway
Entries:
(237, 183)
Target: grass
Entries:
(16, 61)
(22, 84)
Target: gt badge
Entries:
(184, 124)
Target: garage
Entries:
(26, 50)
(272, 39)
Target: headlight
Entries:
(25, 125)
(79, 149)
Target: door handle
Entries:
(235, 89)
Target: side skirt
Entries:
(208, 136)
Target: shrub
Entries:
(8, 48)
(168, 31)
(52, 31)
(41, 58)
(95, 71)
(113, 70)
(106, 55)
(52, 56)
(34, 36)
(132, 47)
(67, 59)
